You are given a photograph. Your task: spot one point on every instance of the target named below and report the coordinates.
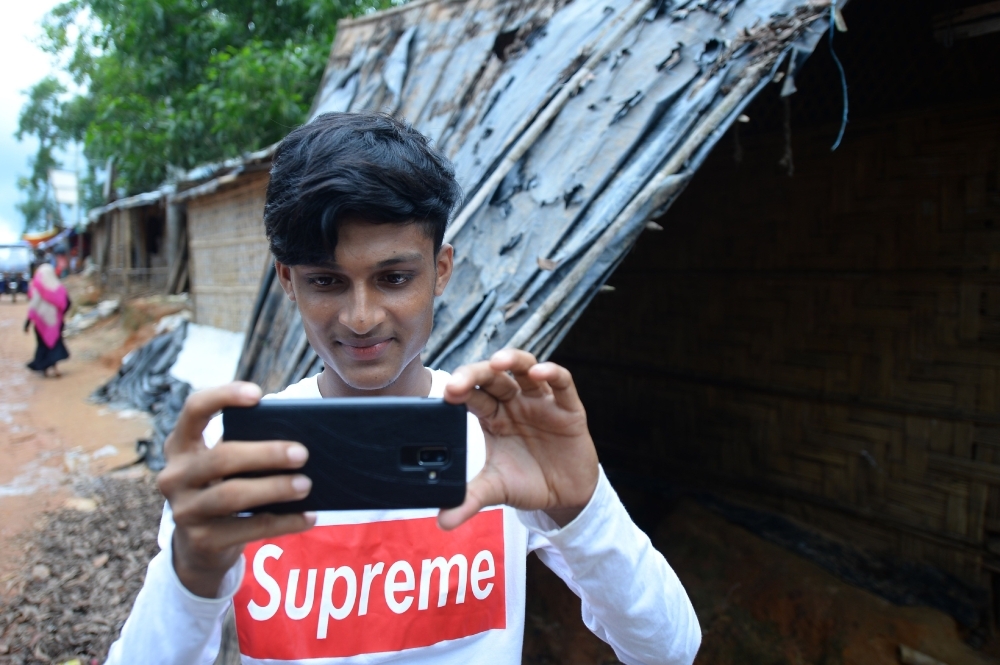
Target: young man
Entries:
(356, 212)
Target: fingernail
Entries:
(250, 391)
(301, 484)
(297, 453)
(310, 517)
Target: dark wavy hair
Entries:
(368, 165)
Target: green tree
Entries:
(40, 117)
(171, 84)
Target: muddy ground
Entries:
(74, 535)
(49, 432)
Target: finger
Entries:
(466, 378)
(481, 492)
(519, 363)
(238, 495)
(233, 457)
(229, 531)
(201, 406)
(561, 381)
(493, 386)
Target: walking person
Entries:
(48, 303)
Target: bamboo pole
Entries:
(654, 187)
(174, 217)
(125, 217)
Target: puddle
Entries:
(35, 476)
(12, 389)
(7, 412)
(106, 451)
(40, 474)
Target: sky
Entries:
(24, 64)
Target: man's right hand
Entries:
(209, 537)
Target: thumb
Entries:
(479, 493)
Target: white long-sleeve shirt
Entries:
(369, 586)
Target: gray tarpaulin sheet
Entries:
(570, 125)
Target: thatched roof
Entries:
(571, 125)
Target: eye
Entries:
(322, 281)
(397, 278)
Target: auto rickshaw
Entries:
(15, 269)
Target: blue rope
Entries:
(843, 76)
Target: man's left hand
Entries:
(539, 453)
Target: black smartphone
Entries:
(364, 452)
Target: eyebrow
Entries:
(402, 258)
(395, 260)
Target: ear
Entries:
(445, 265)
(285, 277)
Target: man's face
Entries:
(369, 312)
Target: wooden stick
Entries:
(653, 188)
(126, 218)
(179, 263)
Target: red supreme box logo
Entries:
(369, 588)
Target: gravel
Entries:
(81, 572)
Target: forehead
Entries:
(362, 243)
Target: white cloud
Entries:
(25, 64)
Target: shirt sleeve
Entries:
(165, 609)
(631, 597)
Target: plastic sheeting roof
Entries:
(570, 125)
(199, 181)
(145, 199)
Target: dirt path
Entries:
(49, 432)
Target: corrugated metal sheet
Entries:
(570, 125)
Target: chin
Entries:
(374, 377)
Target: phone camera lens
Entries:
(433, 456)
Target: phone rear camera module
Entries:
(425, 457)
(437, 456)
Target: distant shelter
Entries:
(202, 235)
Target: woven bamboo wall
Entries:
(828, 344)
(228, 252)
(128, 246)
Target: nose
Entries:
(362, 312)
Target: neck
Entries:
(413, 381)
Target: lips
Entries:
(366, 349)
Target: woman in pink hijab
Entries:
(47, 304)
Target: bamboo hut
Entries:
(799, 330)
(815, 331)
(222, 223)
(129, 244)
(569, 125)
(202, 234)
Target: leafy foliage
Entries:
(170, 84)
(41, 117)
